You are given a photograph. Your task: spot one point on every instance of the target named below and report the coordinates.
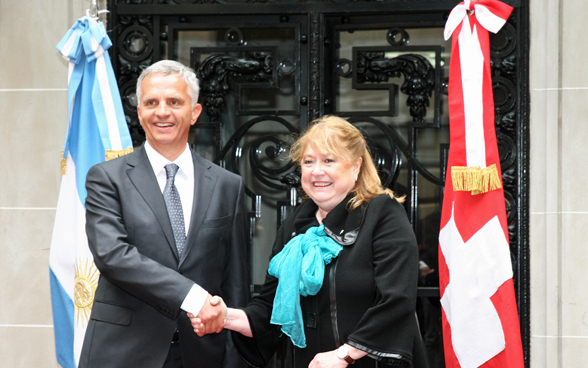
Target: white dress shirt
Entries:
(184, 182)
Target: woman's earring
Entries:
(355, 177)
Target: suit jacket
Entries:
(143, 282)
(368, 296)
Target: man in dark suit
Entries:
(167, 230)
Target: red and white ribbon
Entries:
(471, 104)
(480, 321)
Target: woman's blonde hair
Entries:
(334, 135)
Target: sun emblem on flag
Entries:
(85, 285)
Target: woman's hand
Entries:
(330, 359)
(327, 360)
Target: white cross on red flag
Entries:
(480, 320)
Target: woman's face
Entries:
(327, 179)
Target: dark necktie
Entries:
(174, 207)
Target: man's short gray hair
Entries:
(172, 67)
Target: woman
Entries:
(342, 280)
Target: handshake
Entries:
(212, 317)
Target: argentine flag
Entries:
(96, 131)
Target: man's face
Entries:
(166, 114)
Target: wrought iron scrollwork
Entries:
(292, 179)
(507, 122)
(134, 42)
(398, 145)
(504, 86)
(343, 68)
(264, 173)
(214, 76)
(397, 36)
(388, 165)
(505, 95)
(275, 151)
(234, 37)
(507, 149)
(315, 79)
(419, 77)
(502, 46)
(503, 43)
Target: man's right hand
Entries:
(212, 316)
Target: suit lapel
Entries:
(141, 174)
(204, 182)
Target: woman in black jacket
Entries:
(342, 281)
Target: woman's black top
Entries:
(368, 295)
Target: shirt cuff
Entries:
(195, 299)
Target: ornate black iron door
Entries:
(267, 68)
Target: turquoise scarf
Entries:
(300, 268)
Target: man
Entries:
(161, 256)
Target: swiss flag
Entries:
(480, 320)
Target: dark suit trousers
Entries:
(174, 357)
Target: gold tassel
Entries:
(63, 163)
(110, 154)
(465, 178)
(495, 182)
(474, 179)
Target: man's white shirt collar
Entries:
(158, 162)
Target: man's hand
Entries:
(212, 316)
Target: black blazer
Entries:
(368, 296)
(143, 282)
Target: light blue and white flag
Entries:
(97, 131)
